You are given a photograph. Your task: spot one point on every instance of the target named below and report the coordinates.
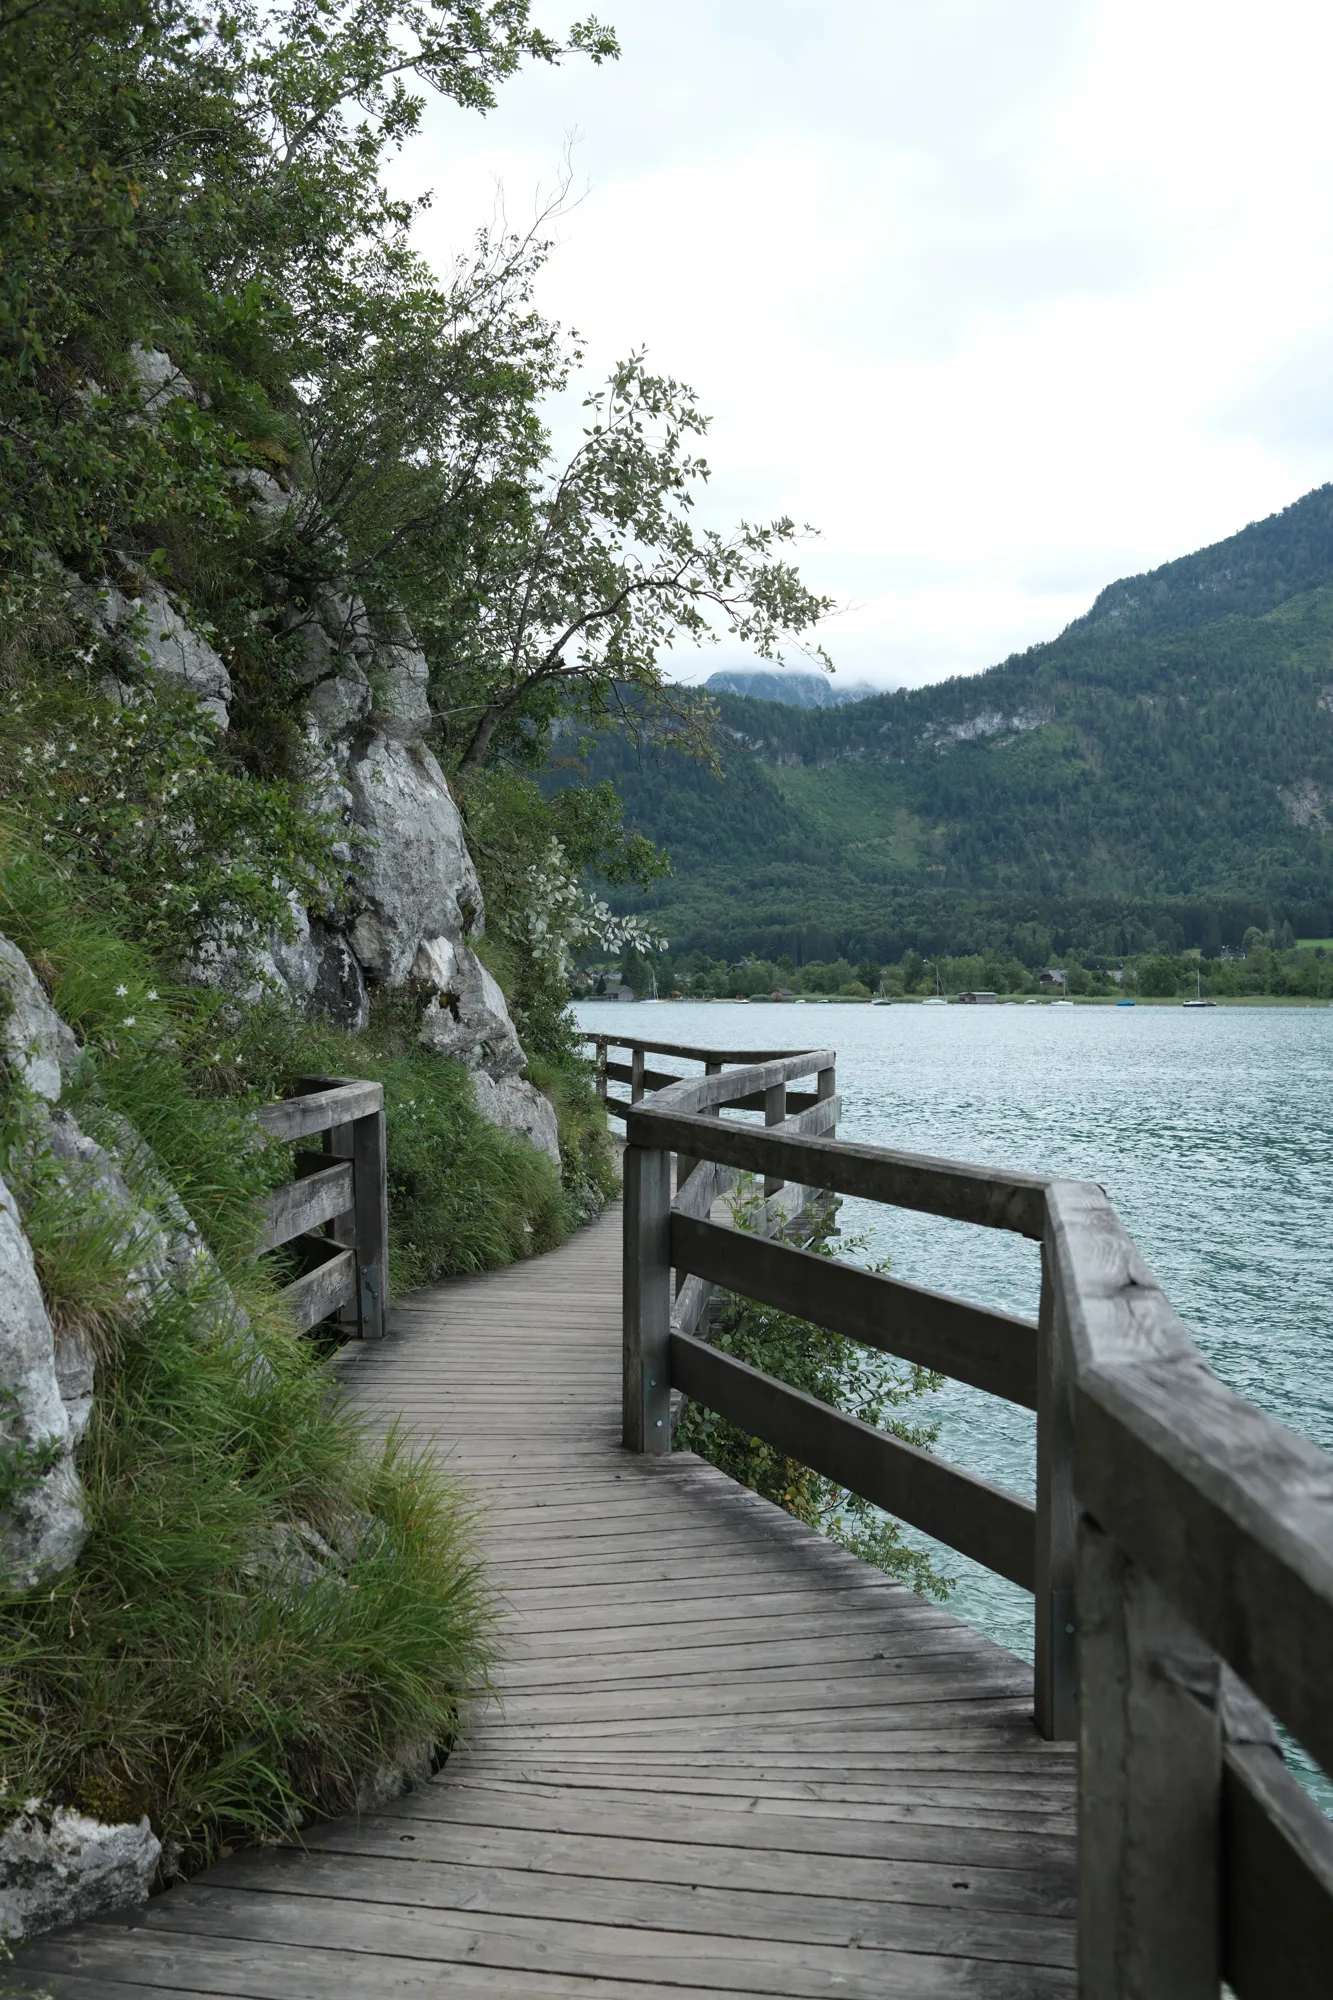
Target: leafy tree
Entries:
(602, 570)
(1159, 978)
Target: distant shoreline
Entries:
(919, 999)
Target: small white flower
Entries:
(121, 991)
(84, 799)
(128, 1022)
(152, 993)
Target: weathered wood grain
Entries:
(339, 1101)
(1277, 1880)
(992, 1350)
(1150, 1774)
(980, 1520)
(1229, 1513)
(990, 1196)
(298, 1206)
(318, 1294)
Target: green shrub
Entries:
(192, 1666)
(834, 1370)
(462, 1195)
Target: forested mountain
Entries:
(1162, 773)
(793, 690)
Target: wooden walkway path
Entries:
(730, 1758)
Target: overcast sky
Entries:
(1008, 297)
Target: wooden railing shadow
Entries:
(1180, 1551)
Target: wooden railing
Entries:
(339, 1190)
(1180, 1550)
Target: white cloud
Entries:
(1009, 300)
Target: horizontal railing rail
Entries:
(1179, 1550)
(334, 1215)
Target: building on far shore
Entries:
(1055, 975)
(979, 999)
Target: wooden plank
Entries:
(320, 1292)
(1150, 1776)
(673, 1859)
(1277, 1866)
(646, 1403)
(370, 1170)
(772, 1910)
(969, 1514)
(990, 1196)
(300, 1206)
(1227, 1511)
(991, 1350)
(737, 1058)
(1055, 1665)
(702, 1189)
(245, 1969)
(315, 1110)
(691, 1304)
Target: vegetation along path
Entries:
(729, 1758)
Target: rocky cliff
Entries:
(416, 909)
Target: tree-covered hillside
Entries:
(1146, 778)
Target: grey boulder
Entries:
(518, 1107)
(34, 1040)
(465, 1015)
(151, 634)
(416, 879)
(44, 1528)
(58, 1866)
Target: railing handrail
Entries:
(1182, 1537)
(342, 1189)
(684, 1049)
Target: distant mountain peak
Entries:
(794, 690)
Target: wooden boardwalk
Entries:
(730, 1759)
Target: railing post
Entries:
(775, 1110)
(1150, 1789)
(370, 1193)
(601, 1067)
(647, 1300)
(635, 1075)
(1054, 1656)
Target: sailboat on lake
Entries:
(1198, 1000)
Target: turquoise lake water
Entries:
(1211, 1131)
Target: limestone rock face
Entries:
(402, 706)
(151, 634)
(466, 1015)
(340, 985)
(33, 1038)
(293, 963)
(45, 1527)
(518, 1107)
(339, 700)
(59, 1866)
(416, 878)
(159, 1251)
(160, 380)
